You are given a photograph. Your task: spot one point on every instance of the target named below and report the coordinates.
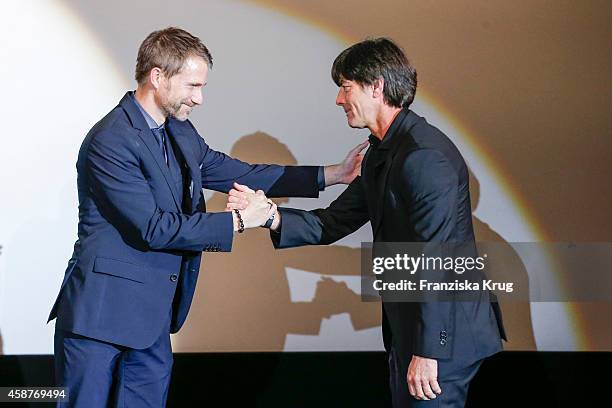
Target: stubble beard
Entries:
(173, 110)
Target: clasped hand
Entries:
(254, 207)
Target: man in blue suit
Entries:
(413, 188)
(143, 226)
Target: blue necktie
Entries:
(160, 135)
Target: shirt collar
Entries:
(374, 141)
(386, 143)
(150, 121)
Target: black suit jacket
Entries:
(413, 188)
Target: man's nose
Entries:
(340, 98)
(197, 97)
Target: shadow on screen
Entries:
(516, 314)
(243, 300)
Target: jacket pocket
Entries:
(121, 269)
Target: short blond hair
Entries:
(167, 50)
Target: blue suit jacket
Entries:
(137, 257)
(415, 189)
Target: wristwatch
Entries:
(268, 223)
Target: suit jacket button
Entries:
(174, 277)
(192, 269)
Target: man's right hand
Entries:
(255, 208)
(422, 378)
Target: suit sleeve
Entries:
(219, 172)
(344, 215)
(124, 197)
(431, 187)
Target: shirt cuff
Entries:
(321, 178)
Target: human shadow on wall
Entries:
(243, 299)
(508, 268)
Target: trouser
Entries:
(100, 374)
(453, 378)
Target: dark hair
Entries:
(168, 49)
(376, 58)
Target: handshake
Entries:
(251, 209)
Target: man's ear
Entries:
(155, 76)
(377, 88)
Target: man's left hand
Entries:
(346, 171)
(422, 378)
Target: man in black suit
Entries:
(413, 188)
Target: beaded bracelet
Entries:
(240, 222)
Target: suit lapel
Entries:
(380, 189)
(369, 183)
(186, 149)
(397, 135)
(139, 123)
